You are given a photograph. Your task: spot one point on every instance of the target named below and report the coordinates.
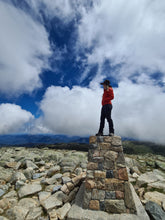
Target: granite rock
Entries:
(155, 211)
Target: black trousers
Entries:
(106, 114)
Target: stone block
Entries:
(77, 179)
(129, 202)
(119, 195)
(109, 185)
(100, 139)
(98, 159)
(92, 166)
(115, 174)
(122, 173)
(115, 206)
(90, 174)
(94, 205)
(119, 186)
(108, 139)
(116, 149)
(104, 146)
(93, 146)
(90, 184)
(110, 195)
(109, 165)
(70, 186)
(92, 139)
(90, 155)
(99, 174)
(111, 155)
(119, 165)
(98, 194)
(116, 141)
(86, 199)
(100, 166)
(100, 184)
(102, 205)
(109, 174)
(65, 189)
(114, 184)
(120, 158)
(96, 153)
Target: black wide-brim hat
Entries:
(106, 82)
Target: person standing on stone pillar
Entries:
(108, 95)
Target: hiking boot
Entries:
(111, 134)
(99, 134)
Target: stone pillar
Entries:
(106, 185)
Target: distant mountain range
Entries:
(28, 139)
(130, 146)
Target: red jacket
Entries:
(107, 96)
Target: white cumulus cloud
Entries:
(130, 34)
(71, 111)
(24, 49)
(13, 118)
(138, 111)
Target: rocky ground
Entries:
(41, 184)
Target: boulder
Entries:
(17, 176)
(56, 188)
(17, 213)
(158, 185)
(155, 196)
(149, 177)
(115, 206)
(78, 171)
(65, 179)
(35, 213)
(71, 195)
(163, 205)
(4, 204)
(19, 184)
(63, 211)
(2, 192)
(130, 162)
(11, 194)
(11, 164)
(155, 211)
(53, 215)
(43, 196)
(29, 189)
(54, 179)
(53, 201)
(160, 165)
(53, 171)
(28, 203)
(38, 175)
(5, 174)
(29, 173)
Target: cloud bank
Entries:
(24, 51)
(138, 111)
(71, 111)
(13, 118)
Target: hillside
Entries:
(139, 147)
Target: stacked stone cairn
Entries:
(106, 185)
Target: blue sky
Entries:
(54, 54)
